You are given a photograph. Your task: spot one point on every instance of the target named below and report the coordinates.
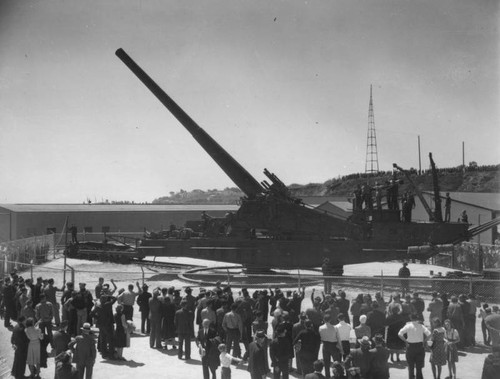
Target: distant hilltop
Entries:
(473, 178)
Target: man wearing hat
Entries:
(257, 362)
(380, 366)
(207, 342)
(9, 302)
(143, 303)
(326, 268)
(404, 274)
(85, 352)
(359, 361)
(61, 338)
(307, 345)
(281, 352)
(190, 299)
(332, 345)
(83, 302)
(64, 368)
(183, 322)
(318, 368)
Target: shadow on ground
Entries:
(130, 363)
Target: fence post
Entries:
(142, 269)
(72, 272)
(228, 278)
(31, 270)
(471, 287)
(298, 270)
(382, 283)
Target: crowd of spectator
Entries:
(278, 333)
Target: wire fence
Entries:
(28, 254)
(32, 250)
(485, 290)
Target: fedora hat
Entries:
(365, 341)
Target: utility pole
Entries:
(371, 165)
(463, 155)
(419, 158)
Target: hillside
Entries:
(474, 179)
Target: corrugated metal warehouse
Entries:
(26, 220)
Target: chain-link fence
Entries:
(487, 290)
(36, 250)
(470, 256)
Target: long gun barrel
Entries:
(229, 165)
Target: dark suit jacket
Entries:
(184, 322)
(61, 341)
(257, 359)
(85, 351)
(210, 343)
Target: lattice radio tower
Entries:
(371, 165)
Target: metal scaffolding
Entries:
(371, 165)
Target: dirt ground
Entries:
(145, 362)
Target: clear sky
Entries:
(282, 85)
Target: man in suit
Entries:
(61, 338)
(281, 352)
(307, 343)
(257, 363)
(208, 342)
(318, 367)
(155, 308)
(85, 352)
(183, 322)
(103, 313)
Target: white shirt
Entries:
(328, 333)
(344, 330)
(225, 359)
(415, 332)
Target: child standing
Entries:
(225, 362)
(451, 339)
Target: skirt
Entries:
(33, 357)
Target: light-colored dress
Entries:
(451, 347)
(34, 336)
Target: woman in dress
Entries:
(393, 324)
(120, 332)
(168, 325)
(438, 353)
(34, 335)
(451, 339)
(19, 342)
